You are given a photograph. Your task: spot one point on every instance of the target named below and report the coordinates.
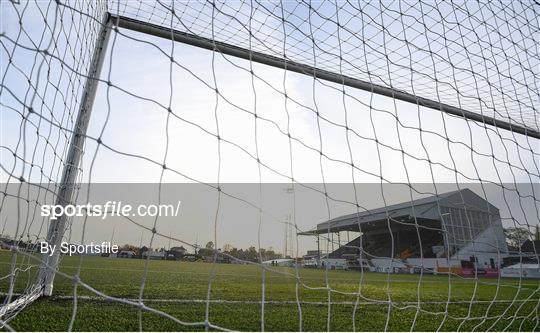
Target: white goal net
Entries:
(336, 165)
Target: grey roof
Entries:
(420, 208)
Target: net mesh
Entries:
(264, 125)
(476, 56)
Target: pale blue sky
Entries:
(136, 124)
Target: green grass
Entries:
(241, 286)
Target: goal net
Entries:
(290, 166)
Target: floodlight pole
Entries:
(57, 227)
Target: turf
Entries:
(180, 290)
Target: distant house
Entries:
(176, 253)
(191, 257)
(220, 258)
(279, 262)
(151, 254)
(126, 254)
(178, 249)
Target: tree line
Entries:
(249, 254)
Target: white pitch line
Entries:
(284, 302)
(427, 279)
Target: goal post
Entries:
(68, 182)
(55, 234)
(383, 94)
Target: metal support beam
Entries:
(232, 50)
(57, 227)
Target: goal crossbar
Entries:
(70, 172)
(283, 63)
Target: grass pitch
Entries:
(180, 290)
